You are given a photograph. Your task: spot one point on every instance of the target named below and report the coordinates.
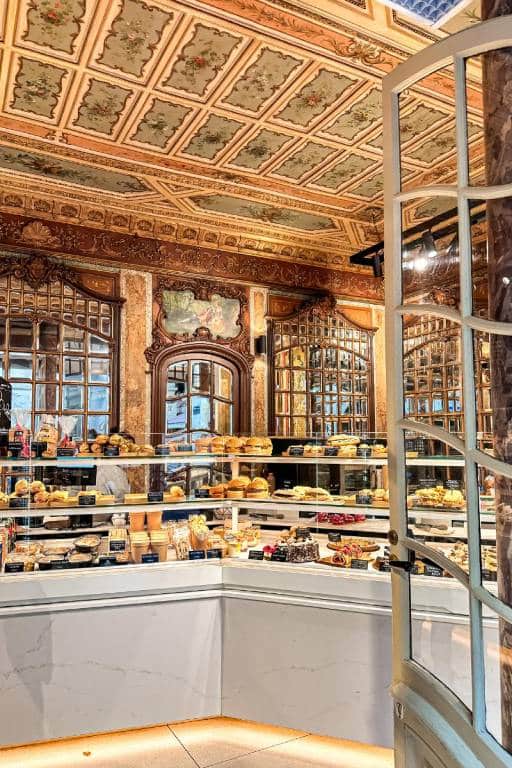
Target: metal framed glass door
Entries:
(453, 700)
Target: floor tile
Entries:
(220, 739)
(315, 752)
(146, 748)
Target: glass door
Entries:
(449, 367)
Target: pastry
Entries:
(237, 487)
(255, 446)
(313, 450)
(257, 489)
(88, 543)
(83, 449)
(42, 497)
(218, 491)
(175, 493)
(21, 488)
(36, 486)
(317, 494)
(218, 444)
(343, 440)
(234, 445)
(203, 444)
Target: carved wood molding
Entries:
(322, 306)
(38, 270)
(134, 252)
(202, 290)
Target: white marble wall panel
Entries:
(322, 671)
(76, 672)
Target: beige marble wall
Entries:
(136, 322)
(259, 392)
(379, 354)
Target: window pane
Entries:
(98, 345)
(201, 377)
(21, 397)
(223, 382)
(441, 644)
(98, 398)
(99, 370)
(222, 417)
(74, 368)
(47, 397)
(20, 365)
(73, 339)
(200, 412)
(177, 379)
(21, 334)
(176, 416)
(72, 398)
(47, 368)
(77, 433)
(97, 425)
(48, 337)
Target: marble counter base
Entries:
(95, 670)
(320, 671)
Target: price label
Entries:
(154, 496)
(202, 493)
(18, 502)
(296, 450)
(458, 523)
(359, 565)
(334, 536)
(197, 554)
(111, 450)
(453, 485)
(14, 567)
(279, 557)
(213, 554)
(309, 514)
(255, 554)
(433, 570)
(489, 575)
(60, 565)
(428, 482)
(330, 450)
(66, 452)
(162, 450)
(384, 566)
(185, 448)
(150, 557)
(117, 545)
(107, 560)
(88, 500)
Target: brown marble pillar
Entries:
(497, 96)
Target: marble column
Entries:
(497, 98)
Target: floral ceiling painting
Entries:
(254, 126)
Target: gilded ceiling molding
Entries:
(22, 232)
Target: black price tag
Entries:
(334, 536)
(330, 450)
(458, 523)
(154, 496)
(287, 485)
(117, 545)
(107, 560)
(384, 566)
(364, 453)
(65, 452)
(363, 499)
(489, 575)
(296, 450)
(197, 554)
(452, 485)
(213, 554)
(256, 554)
(150, 557)
(279, 556)
(60, 565)
(309, 514)
(433, 570)
(14, 449)
(111, 450)
(88, 500)
(428, 482)
(162, 450)
(14, 567)
(18, 502)
(185, 448)
(202, 493)
(359, 565)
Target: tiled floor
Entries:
(200, 744)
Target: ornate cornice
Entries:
(133, 251)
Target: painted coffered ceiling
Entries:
(248, 125)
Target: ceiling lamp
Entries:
(435, 13)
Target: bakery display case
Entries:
(113, 501)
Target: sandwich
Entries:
(257, 489)
(237, 486)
